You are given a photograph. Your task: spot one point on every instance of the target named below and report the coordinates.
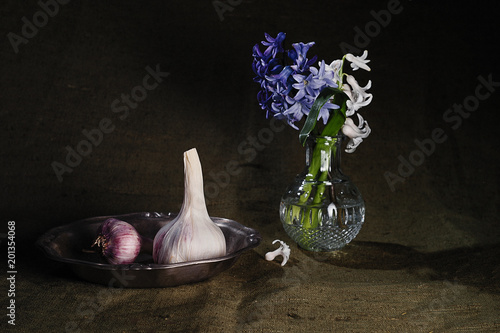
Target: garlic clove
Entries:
(120, 243)
(283, 250)
(192, 235)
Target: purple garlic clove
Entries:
(120, 243)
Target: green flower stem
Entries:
(310, 216)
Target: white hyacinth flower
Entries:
(358, 97)
(358, 62)
(355, 132)
(283, 250)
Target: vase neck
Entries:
(325, 151)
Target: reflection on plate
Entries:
(71, 244)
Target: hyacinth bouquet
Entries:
(322, 99)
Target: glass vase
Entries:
(322, 210)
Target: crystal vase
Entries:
(322, 210)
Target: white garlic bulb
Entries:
(192, 235)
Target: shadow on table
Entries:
(476, 266)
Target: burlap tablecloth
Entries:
(427, 259)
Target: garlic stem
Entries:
(194, 198)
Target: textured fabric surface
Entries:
(427, 258)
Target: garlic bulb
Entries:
(192, 235)
(119, 241)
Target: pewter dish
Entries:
(71, 244)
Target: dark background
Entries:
(426, 59)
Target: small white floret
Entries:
(283, 250)
(358, 62)
(355, 132)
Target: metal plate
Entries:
(71, 244)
